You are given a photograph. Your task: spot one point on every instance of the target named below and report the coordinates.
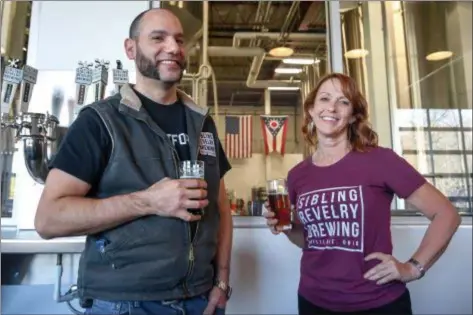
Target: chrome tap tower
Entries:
(36, 133)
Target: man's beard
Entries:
(148, 68)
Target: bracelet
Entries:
(419, 267)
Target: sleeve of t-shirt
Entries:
(224, 164)
(400, 177)
(291, 189)
(85, 149)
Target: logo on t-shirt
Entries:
(207, 144)
(179, 139)
(333, 218)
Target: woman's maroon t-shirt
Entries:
(345, 209)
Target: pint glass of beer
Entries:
(192, 169)
(279, 202)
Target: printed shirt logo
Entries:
(333, 218)
(180, 139)
(207, 144)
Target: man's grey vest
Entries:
(151, 258)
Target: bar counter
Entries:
(28, 241)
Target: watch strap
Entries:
(418, 266)
(225, 287)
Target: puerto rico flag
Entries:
(274, 133)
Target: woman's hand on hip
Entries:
(390, 269)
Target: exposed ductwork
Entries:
(251, 81)
(257, 53)
(255, 68)
(228, 51)
(276, 36)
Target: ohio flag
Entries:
(274, 133)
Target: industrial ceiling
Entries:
(240, 36)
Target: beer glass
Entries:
(279, 202)
(194, 169)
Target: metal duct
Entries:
(228, 51)
(251, 81)
(275, 36)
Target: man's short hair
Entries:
(134, 31)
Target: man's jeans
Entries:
(193, 306)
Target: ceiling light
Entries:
(283, 88)
(300, 61)
(281, 52)
(439, 55)
(288, 70)
(356, 53)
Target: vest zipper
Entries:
(191, 249)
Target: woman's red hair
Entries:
(360, 134)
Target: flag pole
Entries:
(267, 111)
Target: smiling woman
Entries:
(348, 251)
(351, 121)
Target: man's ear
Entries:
(130, 48)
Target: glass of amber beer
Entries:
(192, 169)
(279, 202)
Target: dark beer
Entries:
(194, 211)
(192, 170)
(281, 207)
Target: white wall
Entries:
(265, 274)
(65, 32)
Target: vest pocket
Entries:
(147, 240)
(117, 240)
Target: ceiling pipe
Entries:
(257, 63)
(228, 51)
(259, 56)
(275, 36)
(255, 68)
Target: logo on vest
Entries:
(207, 144)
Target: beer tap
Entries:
(83, 81)
(120, 76)
(100, 78)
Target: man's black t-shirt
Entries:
(86, 148)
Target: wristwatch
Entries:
(418, 266)
(227, 289)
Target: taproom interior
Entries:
(254, 62)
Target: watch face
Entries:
(222, 285)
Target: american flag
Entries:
(238, 136)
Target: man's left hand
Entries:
(390, 269)
(217, 299)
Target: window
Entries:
(431, 68)
(426, 49)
